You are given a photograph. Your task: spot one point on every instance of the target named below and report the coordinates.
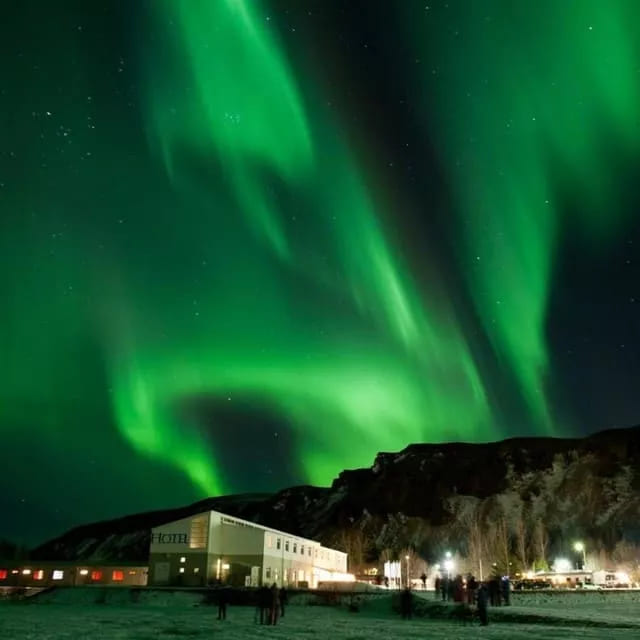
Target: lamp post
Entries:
(408, 574)
(580, 548)
(448, 563)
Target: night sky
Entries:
(247, 244)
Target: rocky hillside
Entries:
(518, 501)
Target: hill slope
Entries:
(522, 499)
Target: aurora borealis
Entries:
(248, 244)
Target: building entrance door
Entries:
(161, 572)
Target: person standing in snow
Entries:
(437, 583)
(406, 601)
(275, 604)
(283, 601)
(264, 602)
(483, 602)
(506, 591)
(423, 578)
(223, 597)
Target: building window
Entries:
(84, 572)
(183, 560)
(117, 575)
(309, 554)
(26, 572)
(198, 538)
(3, 574)
(295, 547)
(267, 573)
(96, 575)
(269, 542)
(196, 570)
(301, 549)
(286, 545)
(38, 575)
(181, 569)
(132, 573)
(57, 574)
(278, 543)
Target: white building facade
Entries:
(212, 547)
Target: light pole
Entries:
(408, 574)
(448, 564)
(580, 548)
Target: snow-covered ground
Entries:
(75, 614)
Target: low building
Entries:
(62, 574)
(211, 548)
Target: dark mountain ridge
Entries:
(529, 494)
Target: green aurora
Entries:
(523, 103)
(196, 223)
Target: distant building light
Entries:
(38, 575)
(26, 572)
(117, 576)
(181, 569)
(132, 573)
(183, 560)
(226, 566)
(84, 572)
(58, 574)
(196, 570)
(3, 574)
(96, 575)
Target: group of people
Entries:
(270, 606)
(460, 590)
(494, 592)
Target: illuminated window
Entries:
(183, 560)
(38, 575)
(132, 573)
(196, 570)
(226, 566)
(198, 537)
(181, 569)
(96, 575)
(117, 576)
(58, 574)
(26, 572)
(3, 574)
(269, 541)
(84, 572)
(278, 544)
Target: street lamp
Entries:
(408, 574)
(448, 565)
(580, 548)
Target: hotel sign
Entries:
(169, 538)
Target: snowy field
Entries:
(76, 614)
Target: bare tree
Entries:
(352, 540)
(413, 565)
(540, 544)
(521, 539)
(476, 545)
